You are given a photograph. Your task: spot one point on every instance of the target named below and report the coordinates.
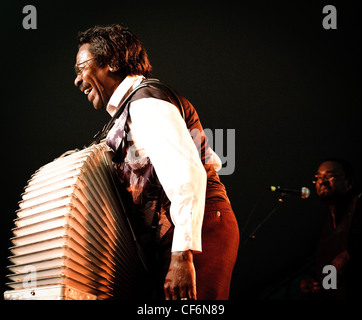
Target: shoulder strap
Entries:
(173, 96)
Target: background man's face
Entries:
(331, 182)
(96, 82)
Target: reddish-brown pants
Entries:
(215, 264)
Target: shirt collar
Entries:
(125, 87)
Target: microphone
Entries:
(304, 192)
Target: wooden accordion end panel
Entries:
(72, 238)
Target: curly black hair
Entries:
(117, 47)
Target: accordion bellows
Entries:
(72, 237)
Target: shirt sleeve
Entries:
(158, 130)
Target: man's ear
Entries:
(112, 68)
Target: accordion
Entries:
(72, 237)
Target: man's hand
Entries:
(180, 282)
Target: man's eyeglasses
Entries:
(326, 177)
(79, 70)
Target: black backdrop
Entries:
(269, 70)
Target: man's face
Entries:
(331, 182)
(96, 82)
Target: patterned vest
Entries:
(146, 199)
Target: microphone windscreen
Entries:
(305, 193)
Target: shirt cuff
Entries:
(183, 239)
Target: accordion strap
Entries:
(172, 95)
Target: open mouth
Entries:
(88, 91)
(324, 190)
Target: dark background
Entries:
(268, 69)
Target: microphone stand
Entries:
(281, 200)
